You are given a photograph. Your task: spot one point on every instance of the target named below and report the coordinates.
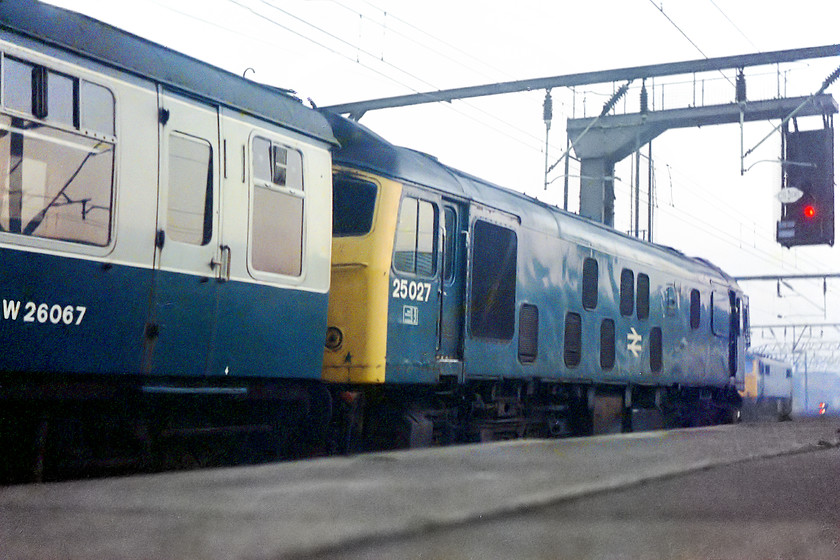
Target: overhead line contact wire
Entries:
(446, 44)
(374, 57)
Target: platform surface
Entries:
(303, 508)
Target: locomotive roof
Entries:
(362, 148)
(119, 49)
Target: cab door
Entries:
(178, 334)
(453, 274)
(414, 306)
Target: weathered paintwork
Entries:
(551, 247)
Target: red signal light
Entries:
(809, 211)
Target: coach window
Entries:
(277, 206)
(57, 181)
(18, 87)
(190, 205)
(572, 340)
(493, 286)
(626, 294)
(529, 327)
(694, 313)
(607, 344)
(590, 283)
(642, 296)
(414, 247)
(97, 109)
(354, 201)
(61, 95)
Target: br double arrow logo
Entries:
(634, 342)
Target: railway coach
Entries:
(462, 310)
(165, 239)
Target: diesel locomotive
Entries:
(165, 237)
(768, 388)
(459, 309)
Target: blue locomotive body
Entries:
(496, 292)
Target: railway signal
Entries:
(808, 197)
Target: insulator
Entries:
(741, 87)
(614, 99)
(547, 107)
(831, 77)
(643, 100)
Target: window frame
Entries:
(589, 283)
(655, 350)
(642, 296)
(694, 309)
(414, 270)
(260, 185)
(529, 329)
(572, 339)
(55, 131)
(627, 292)
(360, 182)
(505, 281)
(207, 206)
(607, 351)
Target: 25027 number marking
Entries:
(411, 290)
(43, 313)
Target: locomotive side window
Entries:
(190, 205)
(590, 283)
(529, 326)
(354, 201)
(607, 344)
(56, 177)
(414, 247)
(626, 294)
(572, 338)
(642, 296)
(278, 204)
(656, 349)
(694, 313)
(493, 287)
(720, 314)
(450, 221)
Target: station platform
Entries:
(323, 506)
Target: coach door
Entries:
(178, 334)
(451, 329)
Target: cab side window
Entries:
(414, 246)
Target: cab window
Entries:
(354, 201)
(414, 246)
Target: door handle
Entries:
(222, 266)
